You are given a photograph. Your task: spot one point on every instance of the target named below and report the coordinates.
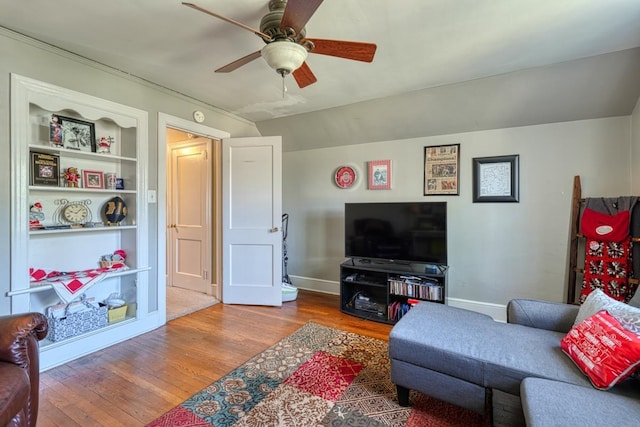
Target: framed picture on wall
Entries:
(441, 170)
(495, 179)
(380, 175)
(76, 134)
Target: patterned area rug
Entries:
(317, 376)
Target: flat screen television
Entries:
(403, 232)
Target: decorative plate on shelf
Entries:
(115, 211)
(345, 176)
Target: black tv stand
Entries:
(384, 291)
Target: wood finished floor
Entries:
(134, 382)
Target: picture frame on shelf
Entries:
(442, 170)
(77, 134)
(44, 169)
(380, 175)
(55, 131)
(93, 179)
(496, 179)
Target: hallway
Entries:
(181, 302)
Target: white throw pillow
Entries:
(597, 300)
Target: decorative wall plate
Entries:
(115, 211)
(345, 176)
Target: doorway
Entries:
(189, 215)
(190, 191)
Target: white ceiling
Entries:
(421, 44)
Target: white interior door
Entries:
(190, 215)
(252, 221)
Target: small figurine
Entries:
(72, 177)
(104, 145)
(35, 216)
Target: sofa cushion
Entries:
(552, 403)
(441, 338)
(517, 352)
(598, 301)
(605, 351)
(14, 391)
(473, 347)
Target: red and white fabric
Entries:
(71, 284)
(603, 349)
(605, 223)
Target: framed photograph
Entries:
(44, 169)
(93, 179)
(441, 170)
(495, 179)
(380, 175)
(76, 134)
(55, 131)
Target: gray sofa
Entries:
(516, 371)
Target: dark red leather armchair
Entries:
(20, 368)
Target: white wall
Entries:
(497, 251)
(26, 57)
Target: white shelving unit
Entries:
(77, 249)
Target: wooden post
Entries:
(573, 247)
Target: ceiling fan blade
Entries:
(297, 13)
(229, 20)
(304, 76)
(357, 51)
(239, 63)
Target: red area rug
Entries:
(317, 376)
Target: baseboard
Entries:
(497, 311)
(316, 285)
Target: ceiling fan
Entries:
(283, 31)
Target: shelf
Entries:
(46, 343)
(80, 154)
(72, 249)
(416, 298)
(82, 230)
(364, 283)
(45, 286)
(367, 315)
(79, 190)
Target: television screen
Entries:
(406, 232)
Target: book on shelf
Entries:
(427, 289)
(44, 169)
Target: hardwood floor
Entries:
(134, 382)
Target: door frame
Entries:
(167, 121)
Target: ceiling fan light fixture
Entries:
(284, 56)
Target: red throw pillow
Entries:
(605, 351)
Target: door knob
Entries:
(274, 230)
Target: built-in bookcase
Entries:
(67, 246)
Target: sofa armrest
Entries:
(19, 336)
(552, 316)
(16, 332)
